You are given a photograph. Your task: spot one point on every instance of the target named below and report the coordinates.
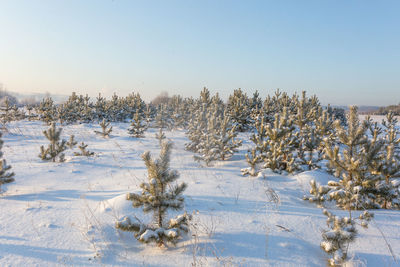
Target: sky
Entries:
(346, 52)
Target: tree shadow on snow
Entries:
(65, 195)
(47, 254)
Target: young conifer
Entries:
(47, 110)
(158, 196)
(279, 143)
(238, 107)
(160, 136)
(388, 167)
(56, 147)
(71, 142)
(5, 175)
(137, 127)
(6, 115)
(253, 159)
(342, 231)
(353, 165)
(83, 151)
(225, 135)
(105, 129)
(312, 137)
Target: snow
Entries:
(148, 234)
(65, 213)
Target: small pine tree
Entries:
(342, 231)
(6, 115)
(148, 113)
(359, 155)
(83, 151)
(318, 193)
(312, 137)
(137, 128)
(279, 144)
(253, 159)
(163, 118)
(56, 147)
(30, 116)
(388, 166)
(5, 176)
(225, 137)
(47, 110)
(105, 130)
(160, 136)
(158, 196)
(71, 142)
(239, 110)
(206, 150)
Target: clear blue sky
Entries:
(346, 52)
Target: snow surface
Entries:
(58, 214)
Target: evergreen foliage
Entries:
(388, 166)
(71, 142)
(83, 152)
(6, 115)
(342, 231)
(5, 175)
(238, 108)
(47, 110)
(225, 135)
(160, 136)
(163, 118)
(158, 196)
(211, 131)
(354, 164)
(56, 147)
(279, 144)
(137, 127)
(312, 136)
(253, 159)
(105, 129)
(180, 112)
(198, 120)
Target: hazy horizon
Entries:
(345, 52)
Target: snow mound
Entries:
(320, 177)
(116, 205)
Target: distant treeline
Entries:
(395, 109)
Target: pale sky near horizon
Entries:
(346, 52)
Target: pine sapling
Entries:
(388, 187)
(160, 136)
(71, 142)
(279, 144)
(137, 127)
(83, 151)
(158, 196)
(225, 135)
(56, 147)
(105, 129)
(5, 175)
(6, 115)
(353, 165)
(342, 231)
(318, 193)
(253, 159)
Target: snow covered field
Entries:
(58, 214)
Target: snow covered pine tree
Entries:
(5, 177)
(138, 127)
(55, 148)
(158, 195)
(105, 130)
(83, 152)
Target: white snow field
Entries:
(57, 214)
